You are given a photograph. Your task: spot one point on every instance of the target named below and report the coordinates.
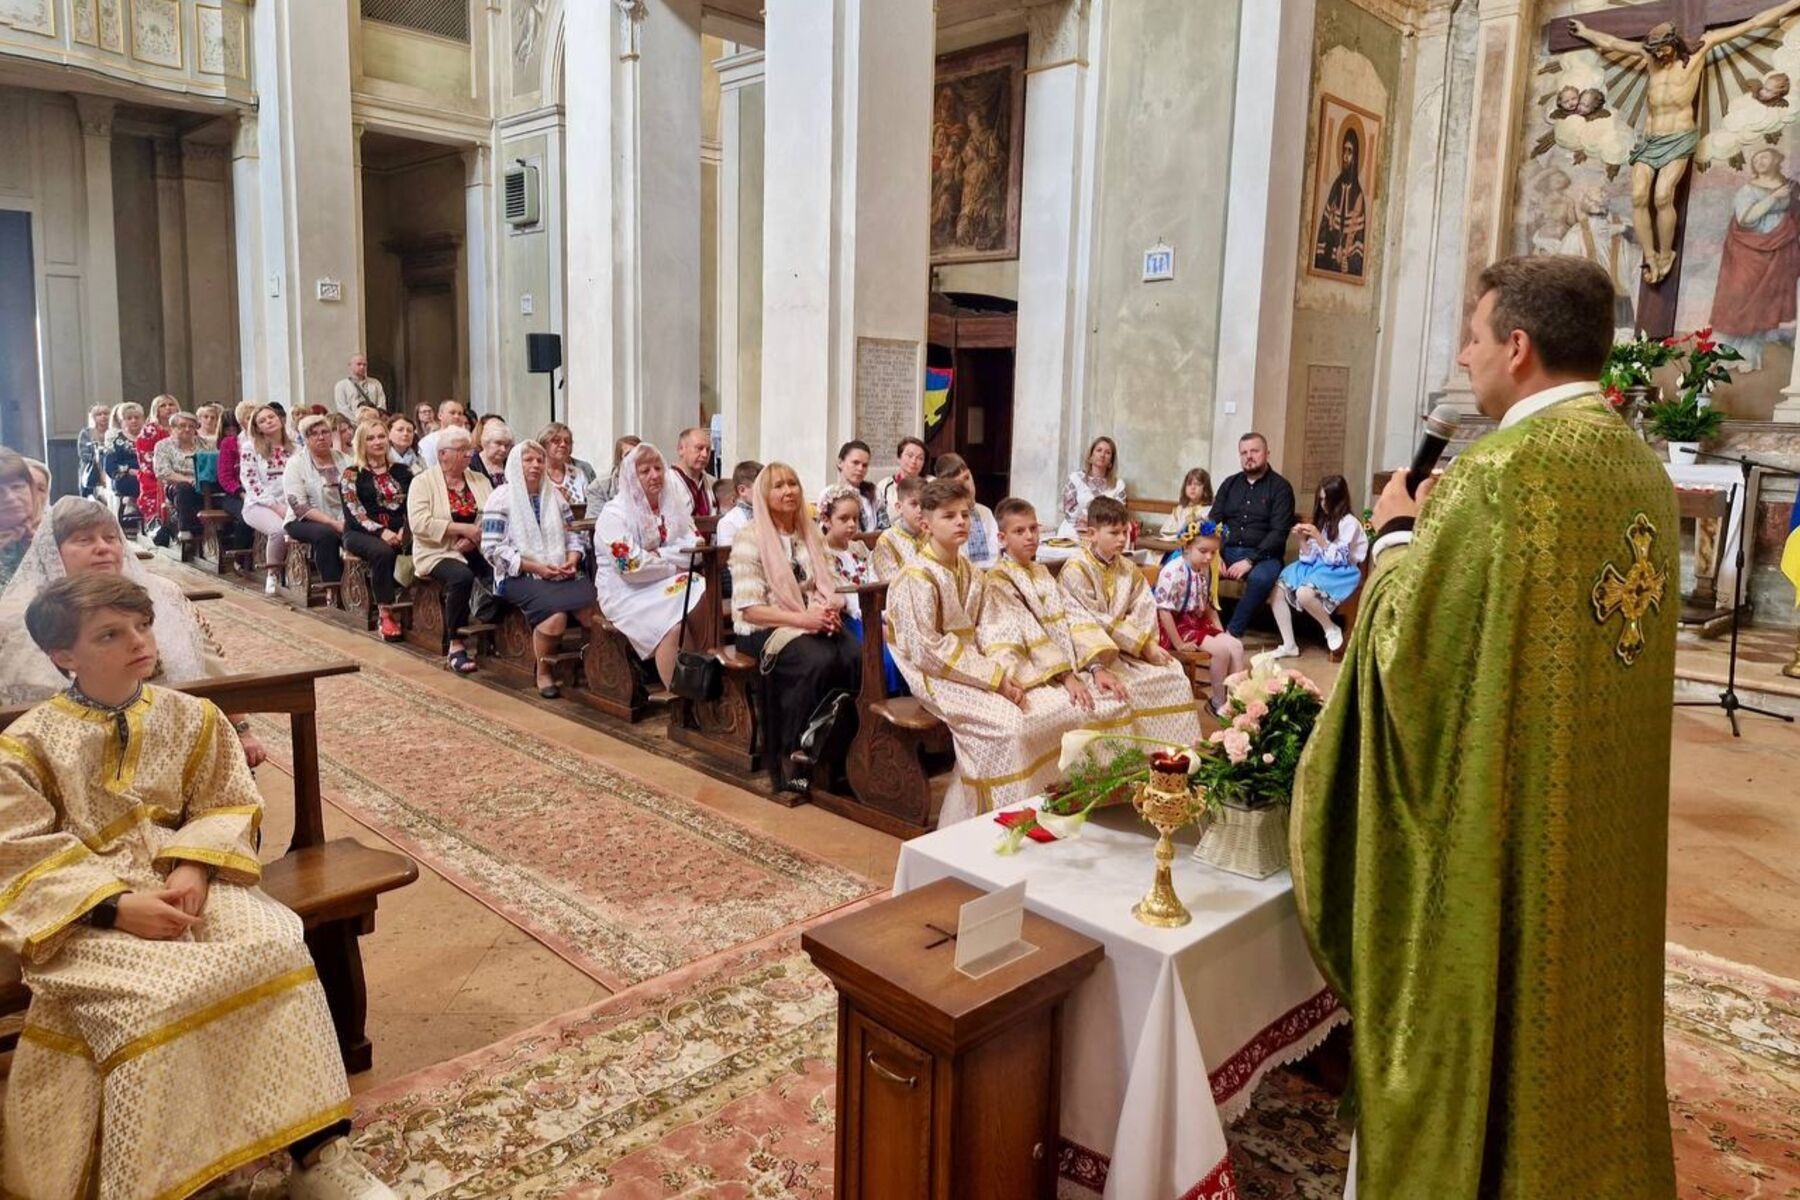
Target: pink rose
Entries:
(1237, 745)
(1217, 737)
(1275, 686)
(1257, 711)
(1245, 723)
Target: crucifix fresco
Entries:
(1676, 66)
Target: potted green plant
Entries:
(1690, 419)
(1629, 378)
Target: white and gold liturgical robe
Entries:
(147, 1069)
(896, 549)
(1112, 618)
(1004, 752)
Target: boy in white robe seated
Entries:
(1006, 737)
(1112, 616)
(177, 1028)
(1025, 628)
(901, 543)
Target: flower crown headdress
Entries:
(1197, 528)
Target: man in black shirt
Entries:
(1257, 507)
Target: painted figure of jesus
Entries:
(1660, 159)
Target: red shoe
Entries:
(390, 628)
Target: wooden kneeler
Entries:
(333, 886)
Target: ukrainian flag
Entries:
(1790, 554)
(937, 397)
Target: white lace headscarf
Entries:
(676, 525)
(26, 673)
(538, 536)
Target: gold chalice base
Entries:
(1161, 907)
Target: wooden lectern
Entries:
(947, 1086)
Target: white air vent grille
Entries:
(445, 18)
(521, 195)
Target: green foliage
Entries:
(1251, 763)
(1631, 364)
(1094, 783)
(1684, 420)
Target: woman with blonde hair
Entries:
(209, 416)
(374, 490)
(563, 468)
(123, 467)
(1099, 476)
(787, 614)
(261, 466)
(160, 425)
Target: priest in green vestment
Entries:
(1480, 821)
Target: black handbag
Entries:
(699, 676)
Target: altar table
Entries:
(1165, 1042)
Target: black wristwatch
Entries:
(105, 914)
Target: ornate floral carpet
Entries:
(568, 848)
(717, 1081)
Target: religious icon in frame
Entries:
(1339, 225)
(977, 153)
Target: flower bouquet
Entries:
(1245, 772)
(1099, 771)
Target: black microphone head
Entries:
(1443, 422)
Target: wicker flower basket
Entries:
(1246, 841)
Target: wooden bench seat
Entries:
(333, 886)
(611, 680)
(304, 589)
(729, 728)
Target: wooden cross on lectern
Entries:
(1692, 18)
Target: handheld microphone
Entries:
(1440, 428)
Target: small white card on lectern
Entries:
(987, 931)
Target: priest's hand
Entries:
(1395, 504)
(153, 916)
(187, 888)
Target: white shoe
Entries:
(1286, 651)
(1334, 638)
(337, 1176)
(270, 584)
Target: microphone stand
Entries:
(1728, 699)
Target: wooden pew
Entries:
(303, 588)
(729, 728)
(333, 886)
(890, 779)
(426, 628)
(611, 681)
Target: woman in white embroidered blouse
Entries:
(1328, 571)
(261, 464)
(1099, 476)
(641, 571)
(528, 537)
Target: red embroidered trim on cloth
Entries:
(1088, 1168)
(1299, 1021)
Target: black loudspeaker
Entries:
(543, 352)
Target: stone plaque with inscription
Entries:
(888, 388)
(1327, 411)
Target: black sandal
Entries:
(551, 691)
(461, 663)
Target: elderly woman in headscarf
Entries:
(15, 513)
(528, 538)
(81, 535)
(443, 510)
(787, 613)
(312, 487)
(642, 574)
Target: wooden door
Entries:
(887, 1114)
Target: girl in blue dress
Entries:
(1328, 571)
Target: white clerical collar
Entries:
(1537, 402)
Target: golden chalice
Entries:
(1167, 802)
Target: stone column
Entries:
(1502, 67)
(357, 129)
(171, 242)
(1055, 215)
(252, 281)
(206, 218)
(100, 262)
(1788, 410)
(740, 252)
(845, 239)
(309, 197)
(595, 402)
(478, 254)
(661, 164)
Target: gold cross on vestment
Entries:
(1635, 593)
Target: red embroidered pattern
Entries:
(1089, 1168)
(1299, 1021)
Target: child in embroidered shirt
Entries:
(1194, 505)
(1328, 571)
(1185, 616)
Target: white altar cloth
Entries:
(1723, 477)
(1164, 1043)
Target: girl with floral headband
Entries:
(1185, 617)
